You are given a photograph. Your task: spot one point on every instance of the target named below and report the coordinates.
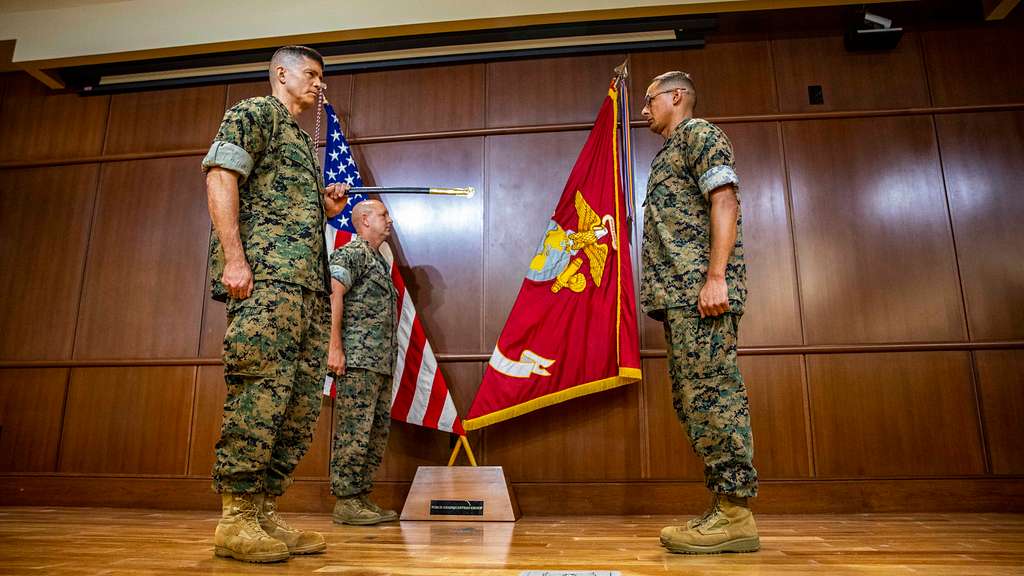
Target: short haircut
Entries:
(362, 208)
(289, 56)
(677, 79)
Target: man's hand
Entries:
(335, 199)
(237, 278)
(714, 297)
(336, 359)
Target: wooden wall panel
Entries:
(778, 415)
(874, 246)
(339, 95)
(873, 241)
(177, 119)
(593, 438)
(144, 282)
(31, 408)
(128, 420)
(526, 174)
(207, 409)
(38, 124)
(731, 78)
(549, 90)
(975, 66)
(207, 414)
(418, 100)
(669, 451)
(849, 80)
(437, 240)
(897, 414)
(463, 379)
(1001, 386)
(411, 446)
(211, 338)
(983, 160)
(773, 312)
(45, 216)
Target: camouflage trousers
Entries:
(362, 422)
(275, 361)
(710, 398)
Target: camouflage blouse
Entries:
(696, 159)
(280, 213)
(368, 323)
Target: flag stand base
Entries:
(461, 493)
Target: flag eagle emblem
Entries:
(557, 258)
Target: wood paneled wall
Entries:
(884, 339)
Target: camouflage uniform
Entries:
(275, 343)
(707, 389)
(363, 405)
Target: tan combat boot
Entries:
(298, 541)
(239, 534)
(351, 510)
(692, 522)
(727, 528)
(385, 515)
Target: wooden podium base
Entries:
(461, 493)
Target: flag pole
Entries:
(463, 442)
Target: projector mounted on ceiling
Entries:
(871, 33)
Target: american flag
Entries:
(419, 394)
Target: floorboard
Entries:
(111, 541)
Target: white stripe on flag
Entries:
(448, 415)
(330, 234)
(404, 334)
(424, 386)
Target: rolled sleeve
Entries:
(341, 274)
(229, 156)
(716, 177)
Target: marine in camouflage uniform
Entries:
(707, 389)
(274, 361)
(368, 342)
(268, 204)
(708, 392)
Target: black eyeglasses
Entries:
(649, 97)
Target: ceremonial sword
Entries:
(467, 192)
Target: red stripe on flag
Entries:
(341, 238)
(407, 384)
(438, 394)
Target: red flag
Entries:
(572, 330)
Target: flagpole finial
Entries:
(622, 70)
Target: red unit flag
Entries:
(572, 330)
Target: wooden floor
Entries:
(42, 541)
